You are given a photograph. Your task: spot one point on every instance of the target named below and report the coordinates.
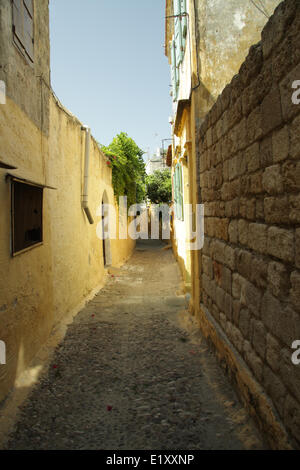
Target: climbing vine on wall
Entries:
(128, 168)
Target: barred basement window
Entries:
(27, 216)
(23, 27)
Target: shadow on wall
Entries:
(181, 262)
(30, 310)
(204, 100)
(13, 385)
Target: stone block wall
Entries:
(249, 157)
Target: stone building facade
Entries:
(206, 42)
(249, 165)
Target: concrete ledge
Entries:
(249, 390)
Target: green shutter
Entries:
(28, 33)
(174, 71)
(178, 32)
(184, 20)
(23, 25)
(178, 193)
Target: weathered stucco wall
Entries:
(180, 241)
(27, 85)
(220, 34)
(77, 252)
(26, 300)
(46, 144)
(249, 183)
(224, 32)
(39, 287)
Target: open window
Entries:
(27, 216)
(23, 27)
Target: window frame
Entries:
(178, 193)
(20, 42)
(14, 182)
(178, 44)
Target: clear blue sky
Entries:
(109, 69)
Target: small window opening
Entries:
(27, 216)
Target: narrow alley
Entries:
(132, 374)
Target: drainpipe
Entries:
(85, 196)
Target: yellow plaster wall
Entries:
(26, 300)
(183, 255)
(39, 287)
(77, 254)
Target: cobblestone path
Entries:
(129, 375)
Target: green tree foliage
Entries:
(128, 168)
(159, 187)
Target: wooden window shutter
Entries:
(29, 6)
(184, 20)
(178, 32)
(28, 33)
(18, 20)
(180, 193)
(175, 192)
(23, 26)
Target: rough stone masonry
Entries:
(249, 164)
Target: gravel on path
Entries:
(129, 375)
